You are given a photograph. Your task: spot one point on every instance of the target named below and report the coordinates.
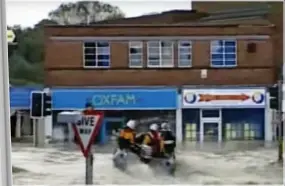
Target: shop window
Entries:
(136, 54)
(234, 131)
(243, 124)
(223, 53)
(191, 133)
(160, 54)
(252, 131)
(96, 54)
(184, 53)
(242, 132)
(191, 121)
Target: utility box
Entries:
(69, 117)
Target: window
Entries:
(184, 53)
(136, 54)
(160, 54)
(243, 131)
(191, 133)
(234, 131)
(223, 53)
(252, 131)
(96, 54)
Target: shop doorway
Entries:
(210, 125)
(113, 126)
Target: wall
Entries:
(67, 70)
(152, 30)
(120, 54)
(275, 17)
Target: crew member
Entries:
(126, 139)
(153, 140)
(168, 138)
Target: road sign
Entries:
(10, 36)
(86, 129)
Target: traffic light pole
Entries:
(280, 121)
(39, 133)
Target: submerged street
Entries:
(233, 163)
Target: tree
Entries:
(26, 59)
(84, 12)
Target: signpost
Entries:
(86, 126)
(10, 36)
(5, 137)
(86, 130)
(280, 123)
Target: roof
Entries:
(197, 24)
(237, 13)
(151, 17)
(214, 6)
(186, 18)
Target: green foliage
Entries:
(27, 57)
(23, 71)
(84, 12)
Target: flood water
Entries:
(233, 163)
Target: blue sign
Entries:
(20, 97)
(115, 99)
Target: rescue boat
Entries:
(167, 163)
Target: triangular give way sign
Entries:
(87, 128)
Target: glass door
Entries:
(211, 125)
(211, 131)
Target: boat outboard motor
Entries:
(146, 153)
(120, 159)
(169, 165)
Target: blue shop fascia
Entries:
(196, 114)
(225, 114)
(146, 105)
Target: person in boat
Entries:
(169, 140)
(152, 143)
(126, 138)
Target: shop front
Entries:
(146, 105)
(224, 114)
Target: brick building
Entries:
(204, 61)
(150, 52)
(274, 15)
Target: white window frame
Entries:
(160, 55)
(140, 44)
(224, 54)
(190, 53)
(96, 54)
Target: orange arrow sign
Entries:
(211, 97)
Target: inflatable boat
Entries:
(167, 163)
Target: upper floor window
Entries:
(184, 53)
(160, 54)
(223, 53)
(97, 54)
(135, 54)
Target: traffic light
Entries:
(47, 105)
(36, 106)
(274, 97)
